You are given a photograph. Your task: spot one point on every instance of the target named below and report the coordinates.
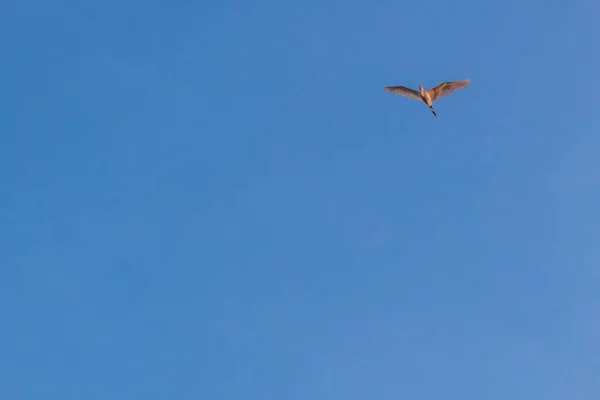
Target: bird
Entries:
(431, 95)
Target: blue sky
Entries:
(218, 200)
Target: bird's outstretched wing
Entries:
(447, 88)
(404, 91)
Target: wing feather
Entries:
(404, 91)
(447, 88)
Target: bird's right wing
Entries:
(447, 88)
(404, 91)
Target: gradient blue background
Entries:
(218, 200)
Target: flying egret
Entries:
(431, 95)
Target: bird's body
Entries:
(431, 95)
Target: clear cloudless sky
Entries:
(218, 200)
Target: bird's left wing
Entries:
(404, 91)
